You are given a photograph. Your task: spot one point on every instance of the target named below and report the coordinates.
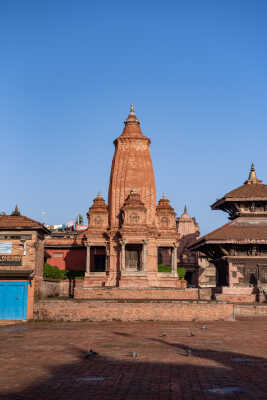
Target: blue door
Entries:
(13, 300)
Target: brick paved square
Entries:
(178, 360)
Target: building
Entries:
(128, 238)
(21, 265)
(63, 251)
(238, 250)
(123, 238)
(188, 230)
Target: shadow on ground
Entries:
(228, 375)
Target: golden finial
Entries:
(132, 109)
(185, 209)
(252, 178)
(99, 194)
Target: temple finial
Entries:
(252, 178)
(99, 194)
(132, 109)
(164, 195)
(185, 209)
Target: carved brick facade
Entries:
(127, 238)
(125, 235)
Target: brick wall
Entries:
(151, 294)
(71, 259)
(73, 310)
(250, 310)
(59, 288)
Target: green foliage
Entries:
(181, 272)
(164, 268)
(51, 271)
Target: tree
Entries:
(16, 212)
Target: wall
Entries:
(29, 259)
(72, 310)
(59, 288)
(72, 259)
(145, 294)
(250, 310)
(207, 272)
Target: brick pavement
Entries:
(41, 360)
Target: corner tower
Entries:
(132, 169)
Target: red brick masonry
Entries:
(104, 310)
(151, 294)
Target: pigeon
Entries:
(191, 333)
(204, 327)
(134, 354)
(91, 353)
(188, 352)
(164, 334)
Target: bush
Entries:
(181, 272)
(164, 268)
(51, 271)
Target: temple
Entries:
(133, 241)
(124, 237)
(238, 250)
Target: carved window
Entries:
(164, 221)
(98, 220)
(134, 218)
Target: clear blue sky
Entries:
(195, 70)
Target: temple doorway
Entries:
(165, 259)
(98, 259)
(222, 274)
(133, 257)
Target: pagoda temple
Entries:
(238, 249)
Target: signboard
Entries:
(80, 227)
(5, 247)
(10, 260)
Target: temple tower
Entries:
(132, 169)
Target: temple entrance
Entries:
(222, 274)
(133, 257)
(165, 259)
(98, 259)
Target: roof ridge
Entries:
(221, 227)
(215, 230)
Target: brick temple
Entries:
(130, 236)
(238, 250)
(124, 238)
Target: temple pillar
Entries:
(174, 261)
(88, 253)
(112, 275)
(144, 253)
(122, 243)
